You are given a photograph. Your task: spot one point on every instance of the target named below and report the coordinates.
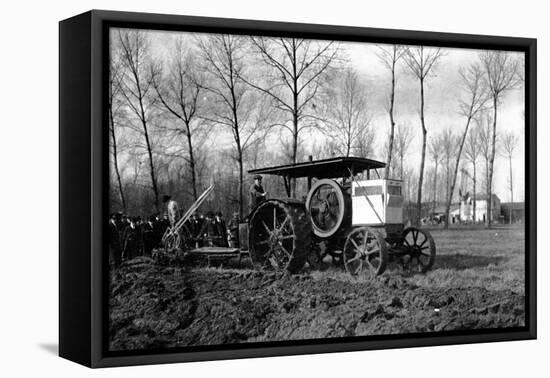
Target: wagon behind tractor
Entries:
(347, 214)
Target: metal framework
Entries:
(325, 168)
(174, 230)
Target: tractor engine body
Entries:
(376, 202)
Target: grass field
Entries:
(493, 259)
(489, 258)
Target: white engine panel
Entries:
(377, 202)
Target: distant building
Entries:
(467, 208)
(462, 212)
(513, 212)
(454, 213)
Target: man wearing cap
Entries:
(257, 193)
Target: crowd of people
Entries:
(130, 237)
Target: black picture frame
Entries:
(83, 166)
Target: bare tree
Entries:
(509, 144)
(402, 142)
(435, 150)
(231, 103)
(449, 143)
(114, 107)
(364, 143)
(471, 153)
(421, 62)
(179, 93)
(390, 56)
(469, 107)
(485, 137)
(262, 119)
(501, 71)
(392, 169)
(325, 149)
(296, 69)
(136, 84)
(347, 113)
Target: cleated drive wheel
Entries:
(418, 250)
(365, 249)
(280, 235)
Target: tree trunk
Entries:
(241, 177)
(151, 166)
(294, 153)
(435, 188)
(294, 119)
(474, 194)
(239, 148)
(348, 138)
(491, 165)
(511, 188)
(115, 160)
(455, 173)
(421, 173)
(392, 122)
(241, 183)
(191, 161)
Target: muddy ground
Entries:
(155, 305)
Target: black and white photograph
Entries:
(267, 189)
(294, 188)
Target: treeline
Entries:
(214, 106)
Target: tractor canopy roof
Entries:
(325, 168)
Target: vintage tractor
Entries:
(356, 219)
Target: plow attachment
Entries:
(172, 233)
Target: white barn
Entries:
(467, 208)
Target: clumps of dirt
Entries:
(153, 306)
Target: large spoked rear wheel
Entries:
(280, 235)
(365, 250)
(419, 250)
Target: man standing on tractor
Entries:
(172, 209)
(257, 193)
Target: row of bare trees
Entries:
(444, 149)
(484, 85)
(166, 111)
(213, 82)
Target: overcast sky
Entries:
(442, 92)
